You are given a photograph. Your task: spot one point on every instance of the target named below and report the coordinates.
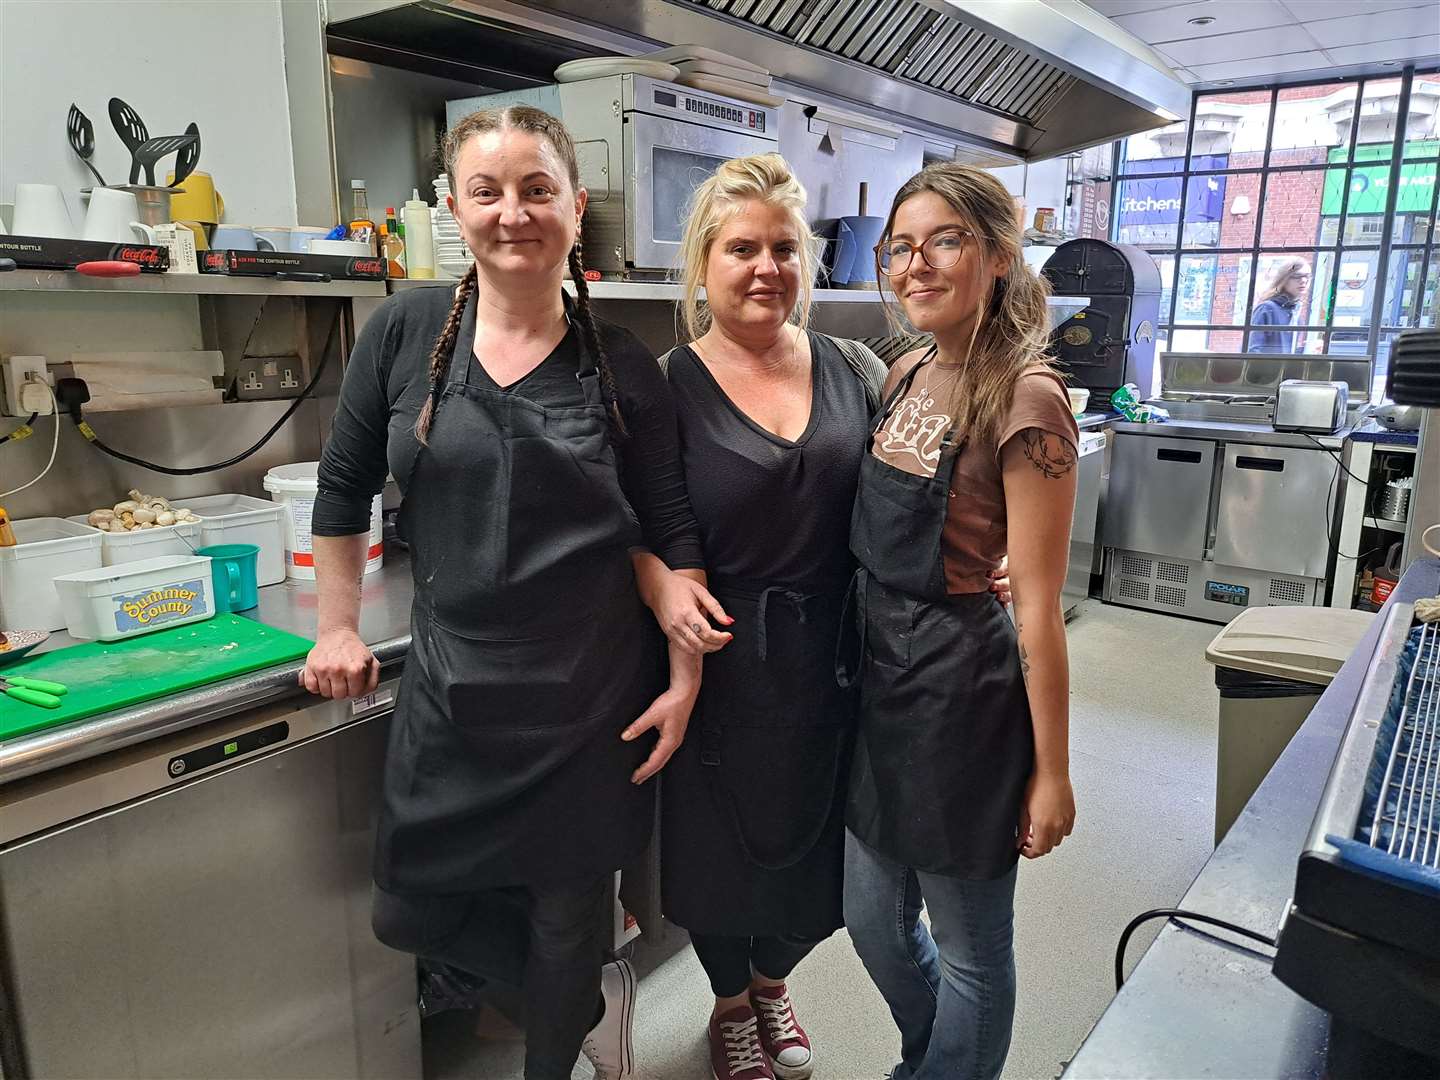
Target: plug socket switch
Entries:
(20, 400)
(267, 377)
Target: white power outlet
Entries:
(19, 369)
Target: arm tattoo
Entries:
(1024, 664)
(1052, 455)
(1020, 629)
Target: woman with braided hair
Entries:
(536, 450)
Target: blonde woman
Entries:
(772, 421)
(961, 757)
(1276, 307)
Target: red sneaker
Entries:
(785, 1041)
(735, 1050)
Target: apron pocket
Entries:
(889, 626)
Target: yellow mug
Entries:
(199, 201)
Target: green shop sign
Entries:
(1370, 184)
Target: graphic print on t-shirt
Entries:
(910, 439)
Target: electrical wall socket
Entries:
(260, 378)
(17, 370)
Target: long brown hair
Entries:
(1280, 277)
(542, 124)
(1012, 325)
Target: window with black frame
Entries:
(1297, 219)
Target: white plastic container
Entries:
(244, 519)
(139, 544)
(45, 548)
(294, 487)
(117, 602)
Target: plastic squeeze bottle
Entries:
(419, 237)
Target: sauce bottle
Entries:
(361, 227)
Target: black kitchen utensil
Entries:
(82, 140)
(132, 132)
(152, 150)
(188, 157)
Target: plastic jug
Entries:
(1387, 576)
(232, 572)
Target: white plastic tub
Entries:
(45, 548)
(294, 488)
(244, 519)
(117, 602)
(140, 544)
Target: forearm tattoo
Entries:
(1052, 455)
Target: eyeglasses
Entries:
(940, 251)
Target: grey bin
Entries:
(1271, 665)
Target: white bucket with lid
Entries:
(294, 487)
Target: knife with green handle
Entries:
(33, 691)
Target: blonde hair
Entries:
(1282, 273)
(765, 178)
(542, 125)
(1012, 325)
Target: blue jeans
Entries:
(952, 994)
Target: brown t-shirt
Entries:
(975, 537)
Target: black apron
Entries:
(753, 805)
(945, 746)
(531, 649)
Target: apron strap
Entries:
(847, 674)
(901, 387)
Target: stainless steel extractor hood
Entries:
(1032, 78)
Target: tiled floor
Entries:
(1143, 720)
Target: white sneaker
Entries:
(610, 1046)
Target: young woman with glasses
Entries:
(961, 760)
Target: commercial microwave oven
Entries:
(644, 146)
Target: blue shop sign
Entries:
(1157, 201)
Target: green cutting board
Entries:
(107, 675)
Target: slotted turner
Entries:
(132, 132)
(82, 140)
(188, 157)
(152, 150)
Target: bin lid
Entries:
(1306, 644)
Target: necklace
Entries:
(932, 392)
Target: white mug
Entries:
(40, 211)
(1434, 548)
(272, 238)
(112, 218)
(355, 249)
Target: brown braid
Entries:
(592, 339)
(536, 122)
(440, 354)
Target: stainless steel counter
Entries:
(384, 625)
(1206, 1005)
(1235, 433)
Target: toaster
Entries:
(1316, 408)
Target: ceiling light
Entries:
(1201, 20)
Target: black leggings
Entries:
(727, 960)
(543, 941)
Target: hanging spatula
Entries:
(82, 140)
(132, 132)
(188, 157)
(152, 150)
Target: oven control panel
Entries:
(668, 99)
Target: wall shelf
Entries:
(24, 280)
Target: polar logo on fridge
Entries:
(156, 607)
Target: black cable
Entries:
(1176, 913)
(96, 441)
(1331, 540)
(23, 427)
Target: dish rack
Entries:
(1362, 936)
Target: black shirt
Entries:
(386, 383)
(771, 510)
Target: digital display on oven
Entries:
(664, 97)
(746, 118)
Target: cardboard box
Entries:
(270, 263)
(54, 253)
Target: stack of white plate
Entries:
(451, 254)
(718, 73)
